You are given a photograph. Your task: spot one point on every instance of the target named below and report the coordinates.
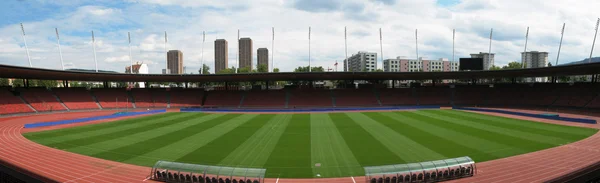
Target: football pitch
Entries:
(290, 145)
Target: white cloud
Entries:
(185, 20)
(124, 58)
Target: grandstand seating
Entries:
(264, 98)
(538, 95)
(112, 97)
(41, 99)
(398, 96)
(10, 104)
(149, 97)
(469, 96)
(309, 98)
(433, 95)
(180, 97)
(355, 97)
(223, 98)
(577, 95)
(76, 98)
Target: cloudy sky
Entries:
(185, 20)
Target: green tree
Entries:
(313, 69)
(262, 68)
(206, 69)
(47, 83)
(245, 70)
(379, 70)
(4, 82)
(513, 65)
(494, 67)
(227, 71)
(549, 64)
(275, 69)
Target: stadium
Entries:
(466, 126)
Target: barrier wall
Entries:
(81, 120)
(307, 109)
(543, 116)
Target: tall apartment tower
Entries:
(262, 57)
(220, 55)
(245, 50)
(362, 61)
(535, 59)
(175, 61)
(488, 59)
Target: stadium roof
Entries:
(7, 71)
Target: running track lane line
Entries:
(74, 164)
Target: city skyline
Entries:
(112, 21)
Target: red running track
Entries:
(61, 166)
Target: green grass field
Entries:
(289, 145)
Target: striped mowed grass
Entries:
(290, 145)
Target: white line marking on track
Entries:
(146, 179)
(353, 179)
(277, 181)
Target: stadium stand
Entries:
(577, 95)
(223, 98)
(149, 97)
(433, 95)
(41, 99)
(469, 96)
(400, 96)
(355, 97)
(112, 97)
(309, 98)
(264, 98)
(180, 97)
(11, 104)
(76, 98)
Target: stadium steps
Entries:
(415, 95)
(204, 97)
(131, 98)
(376, 92)
(590, 101)
(168, 95)
(287, 98)
(27, 103)
(59, 100)
(242, 100)
(332, 98)
(452, 96)
(96, 100)
(555, 99)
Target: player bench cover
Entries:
(424, 171)
(175, 171)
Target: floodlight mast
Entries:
(525, 50)
(594, 42)
(562, 33)
(25, 42)
(94, 49)
(62, 64)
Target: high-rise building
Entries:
(245, 50)
(488, 59)
(535, 59)
(175, 61)
(221, 57)
(262, 57)
(362, 61)
(402, 64)
(138, 68)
